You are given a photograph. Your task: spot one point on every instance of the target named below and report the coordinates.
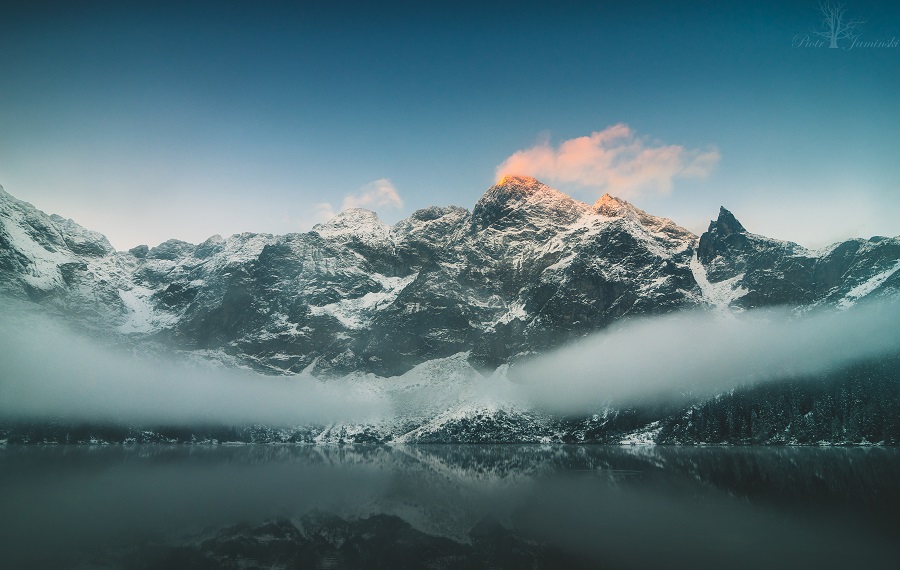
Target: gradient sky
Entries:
(153, 120)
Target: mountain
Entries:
(773, 272)
(527, 270)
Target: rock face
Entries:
(528, 269)
(774, 272)
(52, 260)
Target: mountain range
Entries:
(527, 270)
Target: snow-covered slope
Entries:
(56, 262)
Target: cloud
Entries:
(613, 160)
(48, 370)
(703, 354)
(324, 212)
(378, 194)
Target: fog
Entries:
(704, 353)
(50, 371)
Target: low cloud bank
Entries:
(702, 353)
(48, 371)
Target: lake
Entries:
(435, 506)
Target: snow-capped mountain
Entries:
(773, 272)
(527, 270)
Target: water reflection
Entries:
(451, 506)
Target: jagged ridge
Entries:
(528, 269)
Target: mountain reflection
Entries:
(467, 506)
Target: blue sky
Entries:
(153, 120)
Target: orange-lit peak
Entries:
(611, 206)
(516, 179)
(607, 199)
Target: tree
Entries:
(837, 26)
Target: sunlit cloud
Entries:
(613, 160)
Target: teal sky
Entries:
(153, 120)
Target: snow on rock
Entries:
(241, 248)
(40, 261)
(516, 311)
(80, 240)
(356, 313)
(356, 223)
(720, 295)
(45, 250)
(644, 436)
(517, 201)
(612, 207)
(867, 287)
(142, 316)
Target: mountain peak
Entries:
(726, 224)
(359, 223)
(524, 187)
(725, 237)
(516, 198)
(521, 190)
(517, 180)
(611, 206)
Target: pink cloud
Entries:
(613, 160)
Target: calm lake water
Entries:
(448, 507)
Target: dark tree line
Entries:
(856, 405)
(61, 432)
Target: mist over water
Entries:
(50, 371)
